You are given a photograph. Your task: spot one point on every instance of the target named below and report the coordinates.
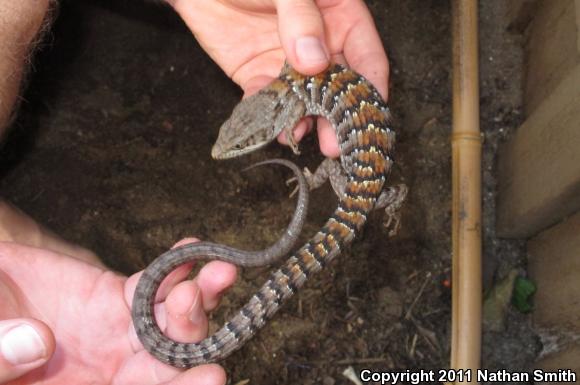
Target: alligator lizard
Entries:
(361, 120)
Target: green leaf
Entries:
(523, 291)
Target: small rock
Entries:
(327, 380)
(389, 302)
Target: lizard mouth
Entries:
(217, 152)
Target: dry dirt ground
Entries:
(112, 151)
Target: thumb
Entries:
(301, 30)
(25, 344)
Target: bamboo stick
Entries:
(466, 211)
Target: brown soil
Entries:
(111, 150)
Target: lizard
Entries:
(361, 120)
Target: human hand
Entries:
(69, 322)
(249, 40)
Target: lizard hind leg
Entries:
(329, 169)
(391, 199)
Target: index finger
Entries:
(364, 52)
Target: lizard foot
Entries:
(392, 200)
(392, 222)
(291, 141)
(307, 174)
(296, 188)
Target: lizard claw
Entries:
(393, 221)
(291, 142)
(392, 200)
(307, 174)
(296, 188)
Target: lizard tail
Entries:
(347, 220)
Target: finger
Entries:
(302, 128)
(186, 318)
(339, 58)
(253, 84)
(301, 30)
(182, 316)
(185, 241)
(176, 276)
(144, 369)
(25, 344)
(211, 374)
(172, 279)
(213, 280)
(364, 50)
(160, 316)
(327, 139)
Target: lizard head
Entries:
(251, 126)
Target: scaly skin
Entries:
(361, 119)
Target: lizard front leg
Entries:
(288, 118)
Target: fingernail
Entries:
(196, 312)
(22, 345)
(310, 50)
